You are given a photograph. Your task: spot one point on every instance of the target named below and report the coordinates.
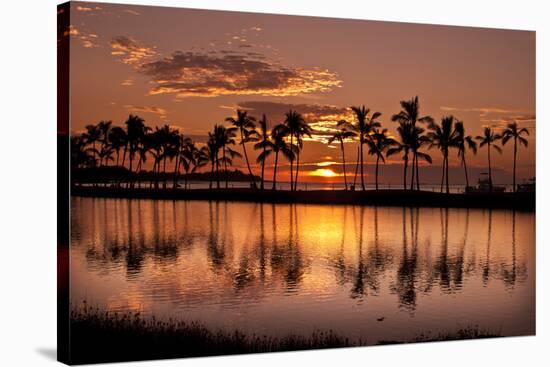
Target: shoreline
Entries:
(388, 197)
(100, 336)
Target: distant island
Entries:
(103, 174)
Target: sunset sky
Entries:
(192, 68)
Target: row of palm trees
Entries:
(104, 143)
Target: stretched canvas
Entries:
(240, 183)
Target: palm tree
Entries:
(169, 142)
(81, 155)
(464, 142)
(104, 128)
(188, 157)
(444, 137)
(297, 128)
(378, 144)
(278, 135)
(152, 143)
(405, 135)
(489, 138)
(342, 135)
(178, 141)
(246, 126)
(512, 131)
(409, 115)
(225, 137)
(91, 137)
(210, 151)
(144, 148)
(105, 154)
(265, 145)
(118, 139)
(135, 130)
(364, 125)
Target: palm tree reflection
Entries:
(406, 279)
(486, 264)
(141, 236)
(215, 247)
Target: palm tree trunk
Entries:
(157, 175)
(211, 175)
(405, 166)
(130, 183)
(225, 168)
(185, 179)
(217, 171)
(263, 169)
(515, 154)
(417, 175)
(153, 176)
(291, 163)
(297, 168)
(176, 170)
(356, 168)
(376, 174)
(124, 155)
(275, 171)
(344, 164)
(246, 158)
(490, 172)
(447, 170)
(465, 169)
(442, 174)
(413, 170)
(361, 156)
(164, 172)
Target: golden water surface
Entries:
(374, 273)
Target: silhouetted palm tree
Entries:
(341, 136)
(278, 135)
(106, 151)
(105, 154)
(464, 142)
(246, 126)
(187, 157)
(444, 137)
(513, 131)
(81, 155)
(178, 146)
(225, 137)
(409, 116)
(118, 140)
(404, 146)
(135, 130)
(297, 129)
(91, 137)
(152, 143)
(489, 138)
(378, 144)
(265, 145)
(210, 150)
(364, 125)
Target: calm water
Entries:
(279, 269)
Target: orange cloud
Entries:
(130, 51)
(89, 40)
(147, 109)
(212, 74)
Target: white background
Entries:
(28, 181)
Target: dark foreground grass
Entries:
(98, 336)
(102, 336)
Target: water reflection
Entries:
(206, 258)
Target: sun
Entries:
(323, 172)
